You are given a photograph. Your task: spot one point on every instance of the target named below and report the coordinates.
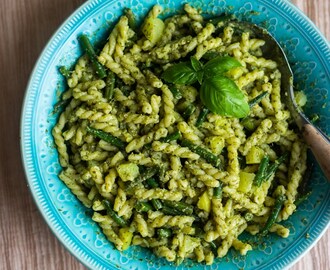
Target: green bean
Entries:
(60, 105)
(164, 232)
(257, 99)
(170, 211)
(88, 48)
(162, 173)
(156, 203)
(199, 232)
(131, 18)
(213, 247)
(184, 208)
(273, 215)
(217, 192)
(65, 72)
(241, 161)
(152, 182)
(171, 137)
(189, 110)
(201, 117)
(262, 171)
(146, 174)
(302, 198)
(110, 85)
(272, 168)
(142, 207)
(204, 153)
(107, 137)
(176, 92)
(119, 220)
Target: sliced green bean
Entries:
(60, 105)
(257, 99)
(217, 192)
(88, 48)
(171, 137)
(189, 110)
(262, 171)
(110, 85)
(131, 18)
(273, 215)
(204, 153)
(143, 207)
(148, 173)
(273, 168)
(213, 247)
(65, 72)
(164, 232)
(176, 92)
(184, 208)
(152, 182)
(201, 117)
(119, 220)
(171, 211)
(302, 198)
(107, 137)
(157, 204)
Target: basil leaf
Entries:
(222, 96)
(181, 73)
(196, 64)
(200, 75)
(219, 65)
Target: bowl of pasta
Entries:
(154, 135)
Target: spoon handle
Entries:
(320, 146)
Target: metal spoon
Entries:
(317, 140)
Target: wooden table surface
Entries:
(25, 240)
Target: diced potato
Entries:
(128, 171)
(125, 236)
(251, 168)
(255, 155)
(153, 29)
(245, 182)
(204, 202)
(189, 244)
(300, 98)
(217, 143)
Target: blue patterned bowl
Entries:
(309, 54)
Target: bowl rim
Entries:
(29, 174)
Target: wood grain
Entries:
(26, 241)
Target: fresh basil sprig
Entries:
(218, 93)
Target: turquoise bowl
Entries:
(309, 54)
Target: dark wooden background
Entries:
(25, 240)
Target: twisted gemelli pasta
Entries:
(156, 163)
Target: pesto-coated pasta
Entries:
(160, 169)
